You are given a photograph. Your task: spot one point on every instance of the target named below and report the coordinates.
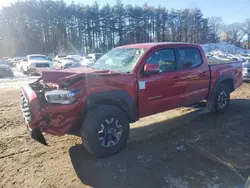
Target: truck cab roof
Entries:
(155, 44)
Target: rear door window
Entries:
(189, 58)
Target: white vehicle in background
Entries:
(35, 61)
(58, 57)
(76, 57)
(87, 61)
(19, 66)
(66, 62)
(95, 56)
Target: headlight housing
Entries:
(61, 96)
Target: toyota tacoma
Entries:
(125, 84)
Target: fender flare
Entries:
(223, 78)
(117, 98)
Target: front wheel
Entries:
(105, 131)
(220, 100)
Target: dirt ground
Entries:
(182, 148)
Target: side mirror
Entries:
(151, 68)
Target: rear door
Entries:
(159, 92)
(194, 75)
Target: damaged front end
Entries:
(51, 107)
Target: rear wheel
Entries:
(220, 100)
(105, 131)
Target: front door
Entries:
(159, 92)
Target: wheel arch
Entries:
(121, 99)
(226, 79)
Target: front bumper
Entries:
(54, 119)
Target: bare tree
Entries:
(215, 24)
(235, 32)
(246, 29)
(54, 27)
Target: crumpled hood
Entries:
(60, 76)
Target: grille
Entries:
(25, 107)
(39, 65)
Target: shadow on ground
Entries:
(158, 156)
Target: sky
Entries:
(229, 10)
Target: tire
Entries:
(94, 131)
(220, 99)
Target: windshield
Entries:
(38, 58)
(119, 59)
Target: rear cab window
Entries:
(189, 58)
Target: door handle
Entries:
(203, 73)
(176, 78)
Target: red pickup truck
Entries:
(127, 83)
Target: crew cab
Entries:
(127, 83)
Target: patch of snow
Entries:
(15, 85)
(176, 182)
(17, 81)
(19, 77)
(18, 74)
(222, 48)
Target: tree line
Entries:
(54, 27)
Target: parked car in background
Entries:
(19, 66)
(12, 61)
(246, 72)
(127, 83)
(5, 69)
(59, 57)
(76, 57)
(87, 61)
(95, 56)
(35, 61)
(66, 62)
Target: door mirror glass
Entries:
(151, 68)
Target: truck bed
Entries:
(233, 69)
